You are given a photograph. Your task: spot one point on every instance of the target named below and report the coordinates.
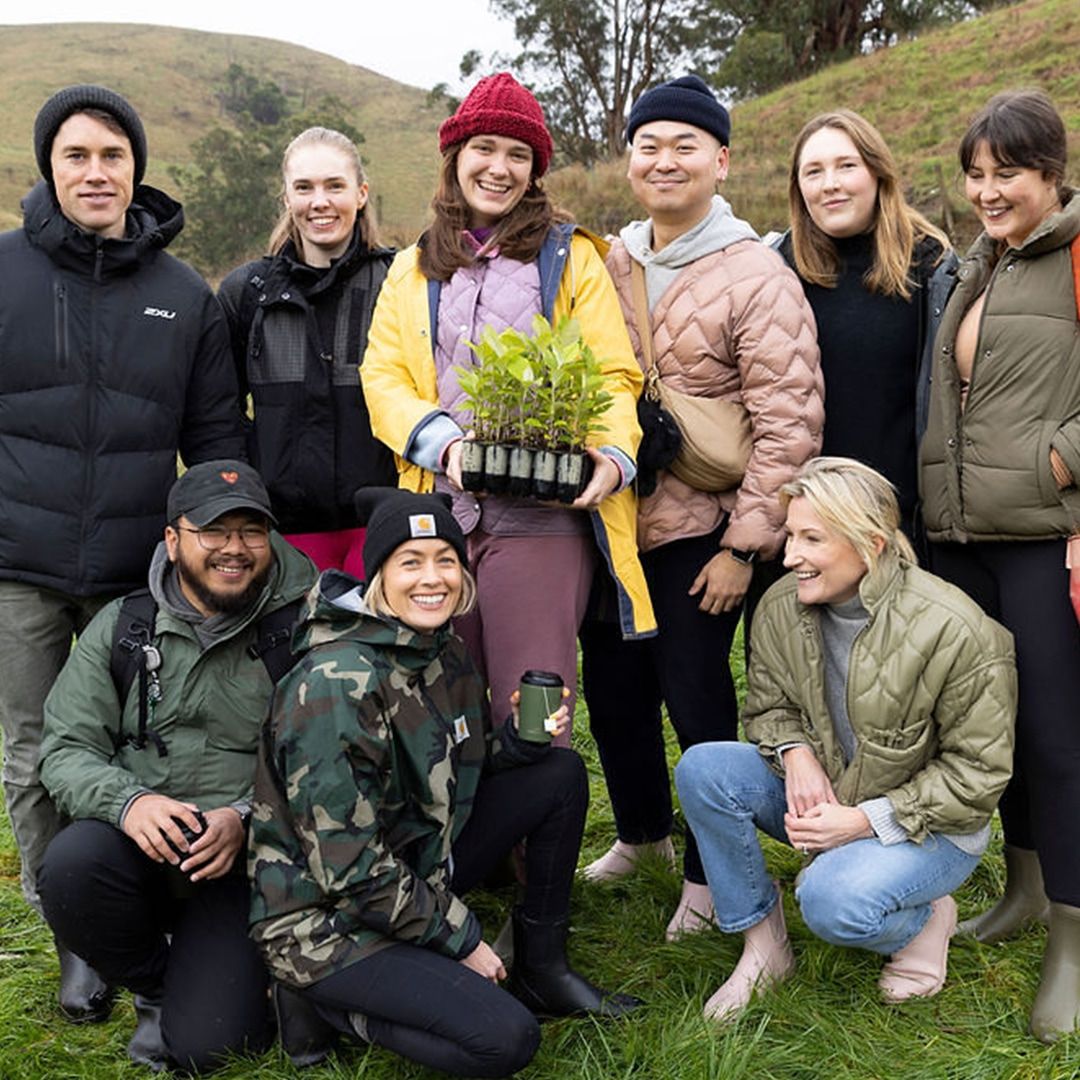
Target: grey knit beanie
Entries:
(73, 99)
(688, 100)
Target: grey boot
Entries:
(1023, 901)
(1057, 1004)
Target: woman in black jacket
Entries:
(876, 274)
(299, 318)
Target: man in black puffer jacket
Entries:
(114, 357)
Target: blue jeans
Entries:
(863, 893)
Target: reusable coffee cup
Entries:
(541, 698)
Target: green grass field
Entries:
(827, 1022)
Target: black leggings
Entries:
(113, 906)
(1025, 586)
(625, 683)
(431, 1009)
(434, 1010)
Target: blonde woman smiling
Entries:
(879, 715)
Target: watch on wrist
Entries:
(747, 558)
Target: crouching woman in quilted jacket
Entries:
(880, 713)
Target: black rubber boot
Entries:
(543, 981)
(305, 1036)
(147, 1045)
(85, 998)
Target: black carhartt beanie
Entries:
(392, 516)
(73, 99)
(687, 99)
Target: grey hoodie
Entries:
(718, 229)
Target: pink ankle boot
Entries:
(621, 859)
(766, 959)
(918, 969)
(694, 913)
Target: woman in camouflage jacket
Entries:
(382, 796)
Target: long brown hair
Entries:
(896, 227)
(519, 234)
(285, 228)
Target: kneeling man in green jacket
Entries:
(149, 747)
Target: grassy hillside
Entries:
(170, 76)
(921, 95)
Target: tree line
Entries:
(232, 189)
(587, 60)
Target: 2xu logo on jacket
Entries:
(159, 313)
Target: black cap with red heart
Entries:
(212, 488)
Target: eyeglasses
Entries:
(215, 537)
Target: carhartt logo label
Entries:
(421, 525)
(230, 477)
(159, 313)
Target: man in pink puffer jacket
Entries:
(729, 320)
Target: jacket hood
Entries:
(720, 228)
(335, 611)
(291, 576)
(154, 220)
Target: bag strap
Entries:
(133, 640)
(644, 326)
(273, 643)
(134, 628)
(1074, 250)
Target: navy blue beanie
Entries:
(687, 99)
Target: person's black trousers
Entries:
(625, 683)
(113, 906)
(1025, 586)
(434, 1010)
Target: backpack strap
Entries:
(551, 261)
(133, 653)
(1074, 251)
(273, 639)
(434, 293)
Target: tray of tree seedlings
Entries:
(535, 403)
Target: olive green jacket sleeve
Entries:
(79, 766)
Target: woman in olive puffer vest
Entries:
(999, 469)
(879, 714)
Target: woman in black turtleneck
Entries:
(876, 274)
(298, 319)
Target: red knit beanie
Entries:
(500, 105)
